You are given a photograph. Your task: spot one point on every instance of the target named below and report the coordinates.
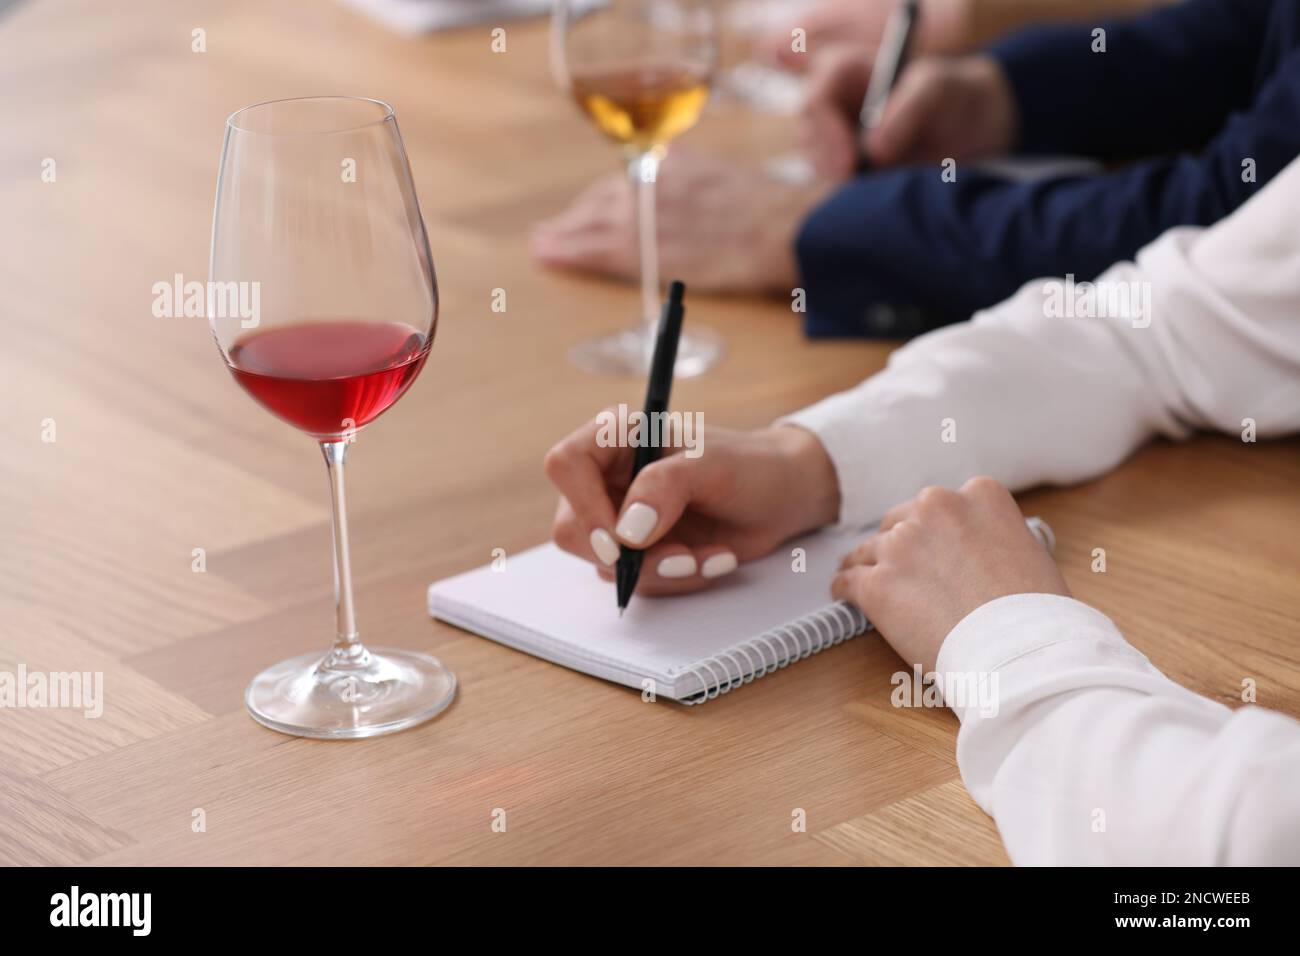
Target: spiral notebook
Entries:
(762, 617)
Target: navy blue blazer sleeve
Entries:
(1165, 82)
(898, 252)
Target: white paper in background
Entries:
(426, 16)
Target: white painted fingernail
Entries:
(606, 548)
(677, 566)
(716, 565)
(637, 523)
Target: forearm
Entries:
(1053, 387)
(907, 239)
(1014, 395)
(1086, 754)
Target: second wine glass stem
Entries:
(348, 651)
(643, 169)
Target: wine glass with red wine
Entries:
(640, 70)
(317, 226)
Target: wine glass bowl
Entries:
(642, 106)
(641, 71)
(329, 378)
(317, 226)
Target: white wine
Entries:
(642, 106)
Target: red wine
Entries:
(329, 378)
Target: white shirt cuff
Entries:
(1007, 635)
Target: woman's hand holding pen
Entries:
(695, 517)
(934, 559)
(961, 108)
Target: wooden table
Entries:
(158, 453)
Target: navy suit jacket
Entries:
(1196, 89)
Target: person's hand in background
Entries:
(861, 23)
(695, 517)
(959, 108)
(721, 227)
(938, 557)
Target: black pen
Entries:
(891, 57)
(657, 393)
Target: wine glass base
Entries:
(629, 353)
(386, 691)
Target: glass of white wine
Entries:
(641, 70)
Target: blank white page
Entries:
(553, 605)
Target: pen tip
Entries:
(621, 610)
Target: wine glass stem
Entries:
(348, 651)
(643, 169)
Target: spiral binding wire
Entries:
(800, 639)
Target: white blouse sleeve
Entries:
(1085, 754)
(1202, 331)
